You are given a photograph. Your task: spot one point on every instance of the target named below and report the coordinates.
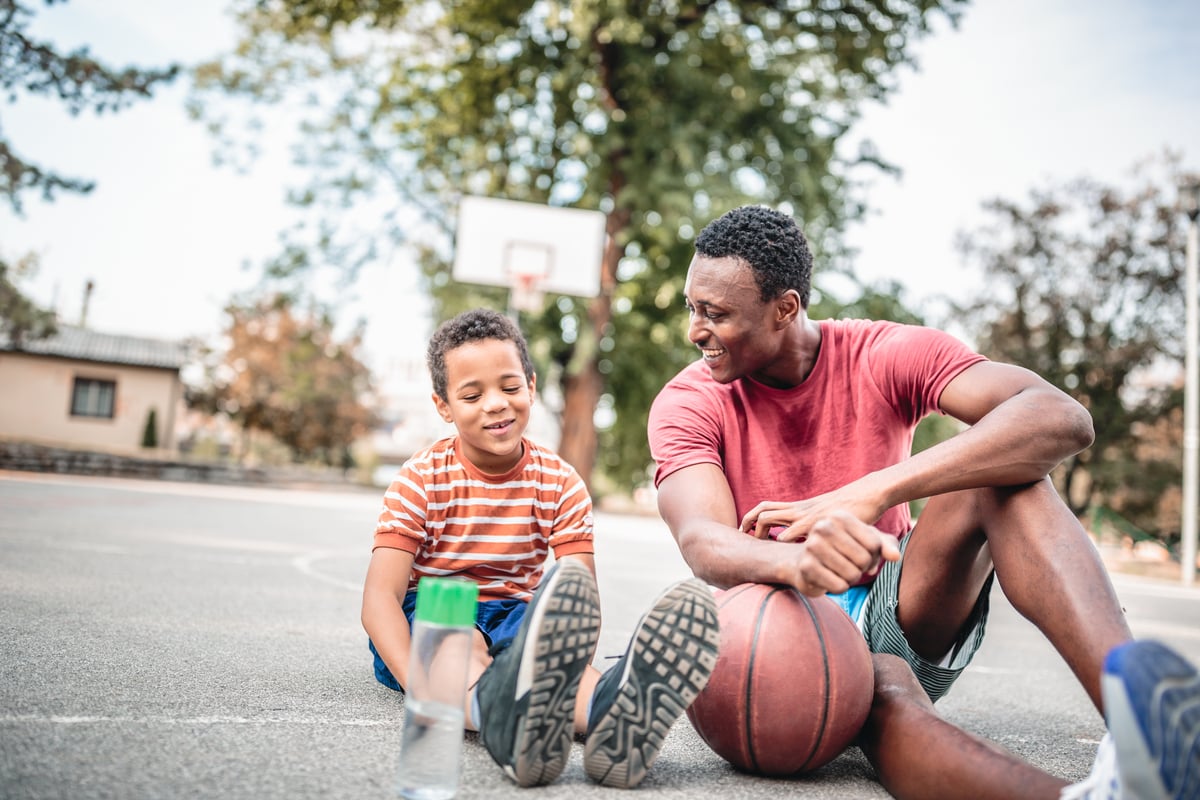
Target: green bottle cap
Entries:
(446, 601)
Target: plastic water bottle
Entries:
(431, 744)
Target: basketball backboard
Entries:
(499, 241)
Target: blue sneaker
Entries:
(527, 694)
(1152, 707)
(669, 660)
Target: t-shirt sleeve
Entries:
(402, 519)
(683, 430)
(912, 365)
(573, 530)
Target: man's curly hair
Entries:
(769, 241)
(472, 326)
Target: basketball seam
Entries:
(747, 722)
(824, 663)
(728, 596)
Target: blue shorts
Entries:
(497, 620)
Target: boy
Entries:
(487, 504)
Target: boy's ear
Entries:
(533, 386)
(443, 408)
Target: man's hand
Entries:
(792, 522)
(839, 549)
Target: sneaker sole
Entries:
(560, 645)
(675, 651)
(1152, 703)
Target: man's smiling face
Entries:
(730, 323)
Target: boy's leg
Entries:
(526, 696)
(669, 659)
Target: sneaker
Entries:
(1102, 783)
(527, 694)
(669, 660)
(1152, 706)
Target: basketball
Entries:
(792, 685)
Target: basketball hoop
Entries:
(526, 293)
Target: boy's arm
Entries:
(382, 608)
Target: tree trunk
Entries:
(582, 383)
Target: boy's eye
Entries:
(512, 389)
(470, 398)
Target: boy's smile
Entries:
(488, 400)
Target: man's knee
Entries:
(895, 684)
(897, 698)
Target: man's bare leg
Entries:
(917, 754)
(1047, 566)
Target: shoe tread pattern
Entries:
(674, 654)
(566, 644)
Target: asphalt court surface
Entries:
(163, 640)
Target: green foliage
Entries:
(1083, 287)
(75, 78)
(289, 376)
(150, 431)
(21, 320)
(662, 114)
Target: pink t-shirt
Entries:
(854, 414)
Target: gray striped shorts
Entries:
(882, 630)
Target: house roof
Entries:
(89, 345)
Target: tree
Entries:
(78, 80)
(661, 114)
(150, 430)
(1083, 287)
(288, 376)
(21, 319)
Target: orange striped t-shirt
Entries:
(496, 530)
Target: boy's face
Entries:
(488, 402)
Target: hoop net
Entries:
(526, 293)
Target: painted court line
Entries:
(67, 720)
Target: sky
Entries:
(1023, 94)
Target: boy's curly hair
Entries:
(472, 326)
(769, 241)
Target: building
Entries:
(90, 390)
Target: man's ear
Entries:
(443, 408)
(787, 307)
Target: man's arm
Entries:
(1021, 428)
(382, 608)
(698, 507)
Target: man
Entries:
(783, 457)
